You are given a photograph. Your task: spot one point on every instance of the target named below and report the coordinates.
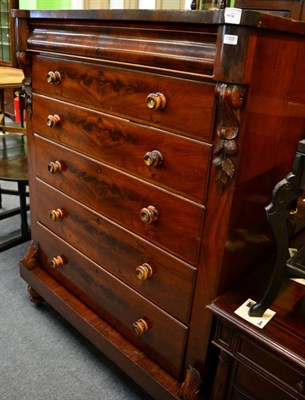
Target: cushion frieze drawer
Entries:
(151, 329)
(149, 270)
(129, 146)
(164, 219)
(155, 99)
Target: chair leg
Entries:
(0, 197)
(23, 210)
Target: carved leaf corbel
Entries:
(190, 388)
(24, 62)
(229, 101)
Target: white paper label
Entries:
(230, 39)
(232, 15)
(260, 322)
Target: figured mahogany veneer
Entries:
(185, 162)
(123, 92)
(120, 252)
(154, 144)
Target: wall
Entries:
(75, 4)
(44, 4)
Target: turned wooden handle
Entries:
(156, 101)
(57, 262)
(149, 215)
(56, 215)
(140, 326)
(153, 158)
(54, 167)
(53, 120)
(54, 77)
(144, 271)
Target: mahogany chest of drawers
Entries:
(154, 140)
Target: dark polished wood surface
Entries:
(13, 158)
(278, 348)
(226, 120)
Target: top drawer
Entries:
(124, 92)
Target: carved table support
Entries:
(284, 193)
(221, 380)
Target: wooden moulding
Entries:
(146, 373)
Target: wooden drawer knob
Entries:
(140, 326)
(53, 120)
(153, 158)
(54, 167)
(156, 101)
(57, 262)
(149, 214)
(54, 77)
(144, 271)
(56, 215)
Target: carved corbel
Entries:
(24, 62)
(190, 388)
(229, 101)
(30, 262)
(30, 259)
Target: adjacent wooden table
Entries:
(9, 78)
(266, 363)
(13, 158)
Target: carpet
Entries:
(42, 357)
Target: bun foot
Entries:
(34, 296)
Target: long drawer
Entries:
(177, 163)
(152, 272)
(125, 309)
(128, 93)
(169, 221)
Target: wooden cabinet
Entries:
(285, 8)
(7, 48)
(155, 139)
(260, 363)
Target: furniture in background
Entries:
(13, 168)
(13, 158)
(10, 78)
(255, 363)
(155, 139)
(293, 9)
(285, 201)
(7, 39)
(7, 50)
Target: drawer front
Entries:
(257, 386)
(124, 93)
(124, 199)
(125, 255)
(165, 339)
(182, 166)
(268, 361)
